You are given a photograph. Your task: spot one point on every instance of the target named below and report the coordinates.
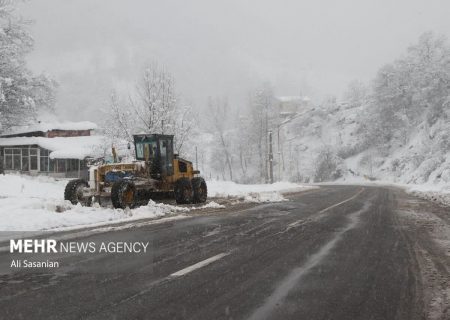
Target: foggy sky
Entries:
(221, 47)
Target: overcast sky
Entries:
(221, 47)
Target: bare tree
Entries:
(263, 113)
(151, 108)
(218, 112)
(119, 122)
(183, 124)
(154, 100)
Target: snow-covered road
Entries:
(339, 252)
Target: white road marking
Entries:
(199, 265)
(342, 202)
(303, 221)
(295, 223)
(293, 278)
(174, 276)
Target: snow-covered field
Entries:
(37, 203)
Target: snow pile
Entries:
(37, 203)
(265, 197)
(211, 205)
(159, 209)
(31, 214)
(253, 192)
(437, 193)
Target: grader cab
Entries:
(157, 173)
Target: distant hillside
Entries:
(397, 128)
(336, 135)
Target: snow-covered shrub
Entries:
(423, 172)
(445, 175)
(348, 151)
(417, 159)
(395, 165)
(329, 166)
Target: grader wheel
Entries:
(123, 194)
(74, 192)
(200, 190)
(183, 191)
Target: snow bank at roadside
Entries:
(434, 192)
(31, 214)
(37, 203)
(439, 193)
(254, 192)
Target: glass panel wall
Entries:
(34, 159)
(13, 159)
(34, 165)
(25, 159)
(44, 161)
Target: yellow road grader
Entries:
(157, 173)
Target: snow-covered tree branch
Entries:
(22, 95)
(151, 108)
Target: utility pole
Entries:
(270, 158)
(267, 176)
(196, 158)
(279, 154)
(281, 167)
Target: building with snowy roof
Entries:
(55, 149)
(290, 105)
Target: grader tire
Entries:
(74, 192)
(123, 194)
(200, 190)
(183, 191)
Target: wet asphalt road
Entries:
(338, 252)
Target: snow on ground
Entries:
(436, 192)
(37, 203)
(253, 192)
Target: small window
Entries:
(13, 159)
(25, 166)
(44, 164)
(8, 162)
(34, 161)
(140, 150)
(44, 153)
(51, 165)
(60, 165)
(182, 166)
(17, 162)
